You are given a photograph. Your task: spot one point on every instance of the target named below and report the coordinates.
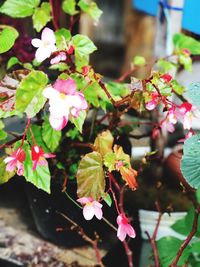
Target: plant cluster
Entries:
(69, 109)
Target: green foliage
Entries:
(4, 175)
(19, 8)
(139, 61)
(104, 142)
(40, 177)
(182, 41)
(29, 97)
(50, 136)
(110, 161)
(107, 198)
(12, 62)
(198, 195)
(41, 16)
(168, 248)
(63, 36)
(91, 9)
(79, 121)
(190, 163)
(117, 90)
(165, 65)
(69, 7)
(83, 48)
(8, 35)
(186, 61)
(90, 176)
(177, 87)
(3, 134)
(37, 132)
(193, 93)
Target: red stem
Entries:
(128, 254)
(54, 19)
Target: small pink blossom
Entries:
(60, 57)
(70, 50)
(185, 112)
(91, 208)
(186, 51)
(166, 78)
(16, 160)
(153, 102)
(170, 120)
(64, 101)
(85, 70)
(38, 157)
(45, 46)
(124, 228)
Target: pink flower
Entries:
(16, 160)
(60, 57)
(64, 101)
(152, 103)
(38, 157)
(92, 208)
(170, 120)
(185, 113)
(124, 228)
(45, 46)
(166, 77)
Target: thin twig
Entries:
(129, 254)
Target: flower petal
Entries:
(48, 36)
(58, 123)
(42, 54)
(88, 212)
(98, 212)
(67, 87)
(84, 200)
(36, 42)
(121, 233)
(129, 230)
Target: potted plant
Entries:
(74, 121)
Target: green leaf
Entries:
(180, 227)
(195, 247)
(91, 9)
(3, 134)
(177, 87)
(168, 248)
(8, 35)
(29, 97)
(69, 7)
(109, 161)
(90, 176)
(19, 8)
(79, 121)
(40, 177)
(63, 36)
(190, 163)
(198, 195)
(106, 197)
(118, 90)
(182, 41)
(83, 47)
(139, 61)
(41, 16)
(50, 136)
(193, 93)
(165, 65)
(4, 175)
(12, 62)
(104, 142)
(186, 61)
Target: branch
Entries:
(81, 232)
(129, 254)
(189, 238)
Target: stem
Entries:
(129, 254)
(189, 238)
(53, 15)
(81, 232)
(107, 93)
(25, 131)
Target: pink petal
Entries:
(35, 163)
(8, 159)
(42, 162)
(58, 123)
(151, 105)
(84, 200)
(98, 212)
(97, 204)
(129, 230)
(48, 36)
(88, 212)
(121, 233)
(20, 168)
(11, 165)
(50, 92)
(36, 42)
(65, 86)
(49, 155)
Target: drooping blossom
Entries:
(64, 101)
(185, 113)
(129, 176)
(150, 105)
(91, 208)
(124, 228)
(39, 157)
(16, 159)
(166, 78)
(60, 57)
(45, 46)
(170, 120)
